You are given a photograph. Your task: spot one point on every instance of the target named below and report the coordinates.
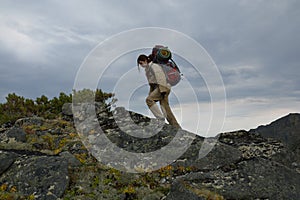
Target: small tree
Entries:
(56, 104)
(88, 95)
(13, 109)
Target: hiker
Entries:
(159, 90)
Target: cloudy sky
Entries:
(255, 45)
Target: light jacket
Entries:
(156, 77)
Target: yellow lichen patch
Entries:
(13, 189)
(43, 128)
(129, 190)
(115, 171)
(63, 123)
(57, 151)
(166, 171)
(3, 187)
(49, 140)
(181, 169)
(81, 157)
(31, 197)
(63, 142)
(73, 135)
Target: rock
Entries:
(252, 145)
(17, 133)
(67, 109)
(289, 158)
(85, 109)
(251, 179)
(38, 121)
(6, 125)
(179, 192)
(238, 165)
(221, 155)
(46, 177)
(285, 129)
(154, 196)
(72, 161)
(261, 178)
(7, 159)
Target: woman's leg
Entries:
(154, 96)
(165, 107)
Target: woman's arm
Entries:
(160, 77)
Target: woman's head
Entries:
(142, 58)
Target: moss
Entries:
(29, 128)
(31, 139)
(115, 172)
(74, 192)
(96, 182)
(13, 194)
(129, 190)
(57, 151)
(31, 197)
(49, 139)
(106, 191)
(3, 187)
(63, 142)
(82, 157)
(63, 123)
(107, 181)
(43, 128)
(7, 196)
(203, 192)
(73, 135)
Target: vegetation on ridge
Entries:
(17, 107)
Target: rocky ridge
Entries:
(46, 159)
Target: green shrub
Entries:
(17, 107)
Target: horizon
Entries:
(260, 123)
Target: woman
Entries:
(159, 90)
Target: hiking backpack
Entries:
(163, 56)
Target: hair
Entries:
(143, 57)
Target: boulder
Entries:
(285, 129)
(252, 179)
(221, 155)
(38, 121)
(45, 177)
(17, 133)
(70, 158)
(67, 109)
(7, 159)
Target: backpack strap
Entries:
(176, 66)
